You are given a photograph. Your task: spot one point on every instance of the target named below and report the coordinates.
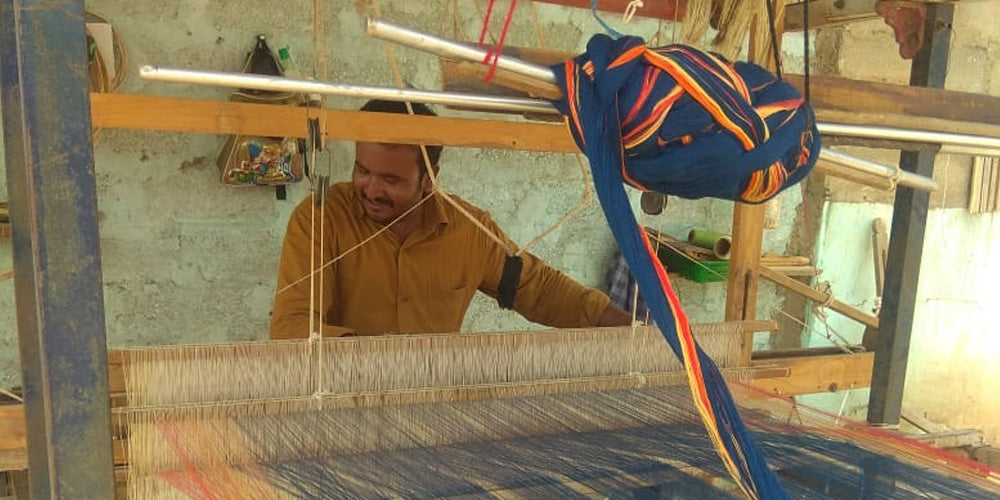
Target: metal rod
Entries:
(947, 149)
(877, 169)
(495, 103)
(274, 83)
(444, 47)
(956, 143)
(910, 135)
(260, 82)
(409, 37)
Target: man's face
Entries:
(388, 179)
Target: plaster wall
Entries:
(187, 260)
(955, 343)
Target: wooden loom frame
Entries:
(791, 374)
(801, 373)
(806, 373)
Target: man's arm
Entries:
(290, 316)
(614, 316)
(546, 295)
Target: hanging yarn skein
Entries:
(688, 123)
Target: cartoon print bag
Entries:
(261, 161)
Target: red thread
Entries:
(486, 23)
(493, 55)
(168, 432)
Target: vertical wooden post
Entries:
(748, 220)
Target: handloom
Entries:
(674, 120)
(598, 413)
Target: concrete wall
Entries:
(188, 260)
(952, 372)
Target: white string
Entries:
(630, 9)
(312, 255)
(585, 200)
(827, 336)
(11, 395)
(359, 245)
(843, 404)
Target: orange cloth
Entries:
(423, 285)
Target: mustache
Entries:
(380, 201)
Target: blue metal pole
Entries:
(906, 240)
(57, 260)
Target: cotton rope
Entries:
(842, 347)
(11, 395)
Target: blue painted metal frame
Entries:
(57, 260)
(906, 239)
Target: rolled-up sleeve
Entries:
(544, 294)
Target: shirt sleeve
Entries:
(544, 294)
(290, 316)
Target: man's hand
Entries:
(614, 316)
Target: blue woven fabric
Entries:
(690, 124)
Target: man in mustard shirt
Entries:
(420, 275)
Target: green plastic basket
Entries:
(702, 271)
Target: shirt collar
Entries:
(436, 212)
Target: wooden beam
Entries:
(834, 170)
(950, 439)
(465, 76)
(219, 117)
(800, 352)
(828, 13)
(815, 374)
(13, 437)
(817, 296)
(140, 112)
(748, 227)
(880, 253)
(748, 237)
(843, 94)
(835, 99)
(667, 10)
(797, 270)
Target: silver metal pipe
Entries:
(274, 83)
(879, 170)
(967, 150)
(957, 143)
(910, 135)
(444, 47)
(385, 30)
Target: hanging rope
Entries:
(630, 10)
(775, 43)
(842, 346)
(805, 50)
(611, 31)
